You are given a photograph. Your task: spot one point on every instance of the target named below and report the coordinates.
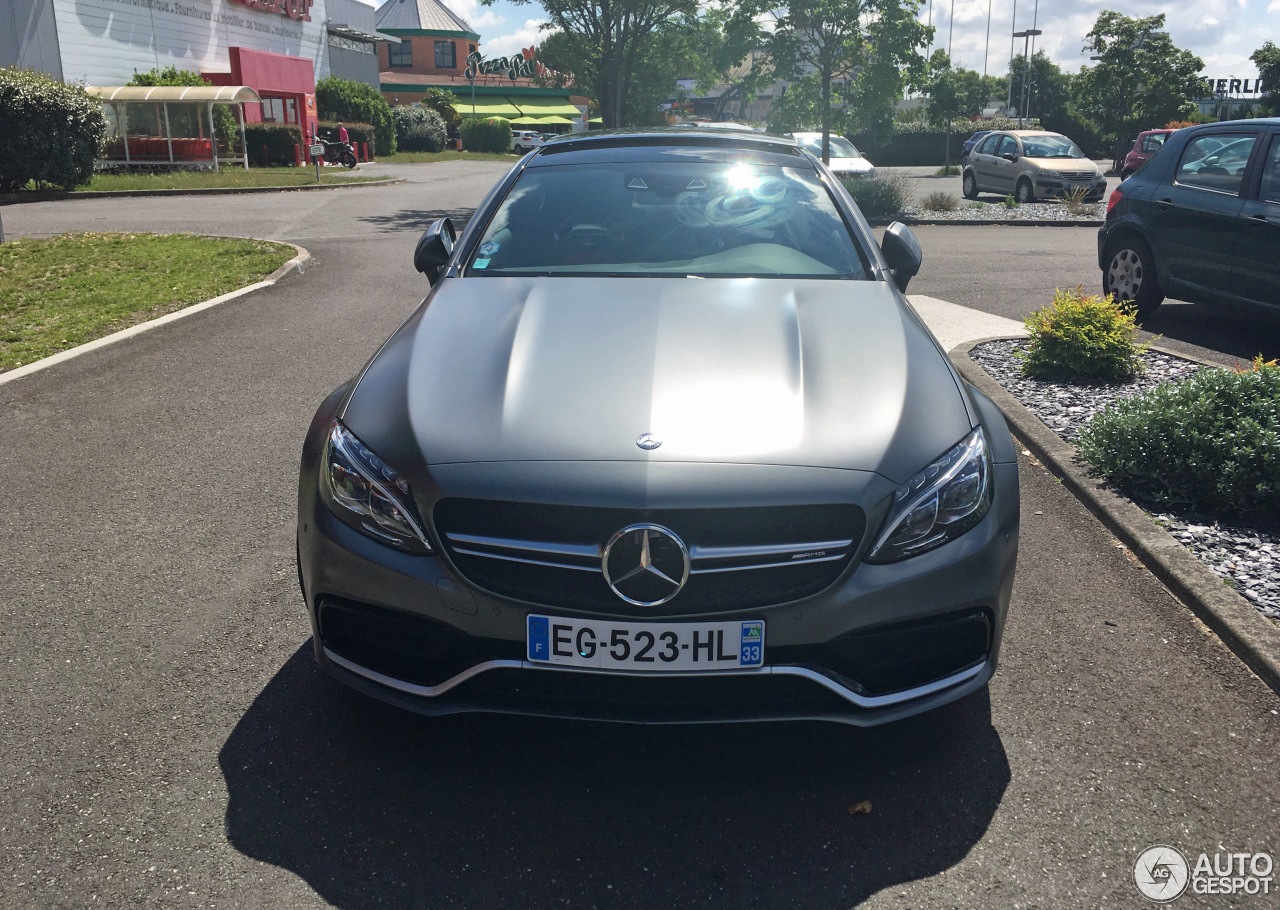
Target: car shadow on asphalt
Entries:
(1234, 332)
(376, 807)
(417, 219)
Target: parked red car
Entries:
(1146, 145)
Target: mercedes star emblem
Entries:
(646, 564)
(648, 441)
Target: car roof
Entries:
(1228, 126)
(675, 137)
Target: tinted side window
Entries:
(1271, 173)
(1212, 164)
(988, 145)
(1153, 143)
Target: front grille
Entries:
(1077, 175)
(742, 558)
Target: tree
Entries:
(952, 93)
(1141, 81)
(1049, 88)
(357, 102)
(609, 37)
(857, 50)
(1267, 59)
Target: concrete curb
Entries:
(60, 195)
(1237, 622)
(297, 263)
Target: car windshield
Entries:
(650, 218)
(1050, 147)
(840, 146)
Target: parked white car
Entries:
(846, 161)
(525, 140)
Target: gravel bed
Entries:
(1246, 557)
(998, 211)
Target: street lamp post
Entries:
(1026, 62)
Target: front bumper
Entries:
(1050, 187)
(881, 643)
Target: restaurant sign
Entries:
(294, 9)
(515, 67)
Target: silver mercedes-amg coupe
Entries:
(665, 442)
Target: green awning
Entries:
(532, 105)
(486, 108)
(556, 120)
(529, 121)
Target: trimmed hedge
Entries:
(352, 101)
(50, 132)
(489, 135)
(272, 144)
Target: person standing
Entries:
(342, 134)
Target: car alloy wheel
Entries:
(1131, 276)
(969, 186)
(1024, 192)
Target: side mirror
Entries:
(902, 252)
(435, 246)
(1010, 156)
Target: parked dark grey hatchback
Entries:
(1200, 221)
(664, 443)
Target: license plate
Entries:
(646, 647)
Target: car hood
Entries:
(819, 373)
(1066, 165)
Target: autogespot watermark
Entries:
(1164, 874)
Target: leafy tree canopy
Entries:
(1267, 59)
(357, 102)
(1141, 79)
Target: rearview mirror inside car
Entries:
(435, 246)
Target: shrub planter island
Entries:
(1196, 446)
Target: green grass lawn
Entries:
(59, 293)
(231, 177)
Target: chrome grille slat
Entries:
(527, 561)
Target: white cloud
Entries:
(478, 17)
(529, 34)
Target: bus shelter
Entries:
(171, 125)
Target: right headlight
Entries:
(939, 504)
(367, 493)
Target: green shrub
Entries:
(419, 129)
(351, 101)
(50, 132)
(940, 202)
(886, 193)
(443, 103)
(1010, 202)
(489, 135)
(1082, 336)
(272, 144)
(1210, 443)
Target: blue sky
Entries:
(1223, 33)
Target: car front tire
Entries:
(969, 185)
(1024, 191)
(1131, 275)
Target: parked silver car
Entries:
(1030, 165)
(665, 442)
(844, 161)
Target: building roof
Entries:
(421, 16)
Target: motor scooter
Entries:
(338, 152)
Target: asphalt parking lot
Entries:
(167, 740)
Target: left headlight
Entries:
(367, 493)
(939, 504)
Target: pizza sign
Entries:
(294, 9)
